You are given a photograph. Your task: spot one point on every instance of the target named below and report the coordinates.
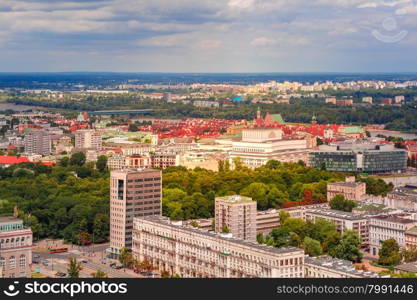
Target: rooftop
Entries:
(394, 219)
(341, 214)
(260, 247)
(348, 184)
(338, 265)
(412, 231)
(409, 267)
(235, 199)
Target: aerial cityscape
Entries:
(269, 179)
(215, 139)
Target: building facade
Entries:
(343, 221)
(237, 214)
(15, 248)
(359, 157)
(350, 189)
(88, 139)
(191, 252)
(133, 193)
(38, 142)
(382, 228)
(258, 146)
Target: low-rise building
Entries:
(350, 189)
(343, 221)
(386, 227)
(328, 267)
(15, 248)
(411, 238)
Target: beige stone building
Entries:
(238, 215)
(350, 189)
(133, 193)
(15, 248)
(88, 139)
(258, 146)
(191, 252)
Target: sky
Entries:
(208, 36)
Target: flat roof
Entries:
(338, 265)
(394, 219)
(340, 214)
(348, 184)
(261, 247)
(409, 267)
(236, 199)
(10, 219)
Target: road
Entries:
(58, 262)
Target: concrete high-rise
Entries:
(133, 193)
(38, 142)
(88, 139)
(237, 215)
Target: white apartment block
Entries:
(191, 252)
(343, 221)
(237, 214)
(382, 228)
(88, 139)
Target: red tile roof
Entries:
(11, 160)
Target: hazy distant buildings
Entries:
(38, 142)
(237, 215)
(133, 193)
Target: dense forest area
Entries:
(299, 110)
(71, 200)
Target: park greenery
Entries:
(340, 203)
(316, 238)
(70, 200)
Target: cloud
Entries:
(189, 35)
(262, 42)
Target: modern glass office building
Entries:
(360, 157)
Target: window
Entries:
(2, 262)
(12, 262)
(22, 261)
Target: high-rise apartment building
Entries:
(38, 142)
(15, 248)
(88, 139)
(133, 193)
(237, 215)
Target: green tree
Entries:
(64, 162)
(389, 254)
(312, 247)
(99, 274)
(101, 163)
(74, 268)
(77, 159)
(340, 203)
(225, 229)
(348, 247)
(126, 257)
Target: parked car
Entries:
(45, 263)
(84, 261)
(60, 274)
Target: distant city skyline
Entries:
(205, 36)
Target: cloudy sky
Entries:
(208, 36)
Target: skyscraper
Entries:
(237, 215)
(133, 193)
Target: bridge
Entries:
(122, 112)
